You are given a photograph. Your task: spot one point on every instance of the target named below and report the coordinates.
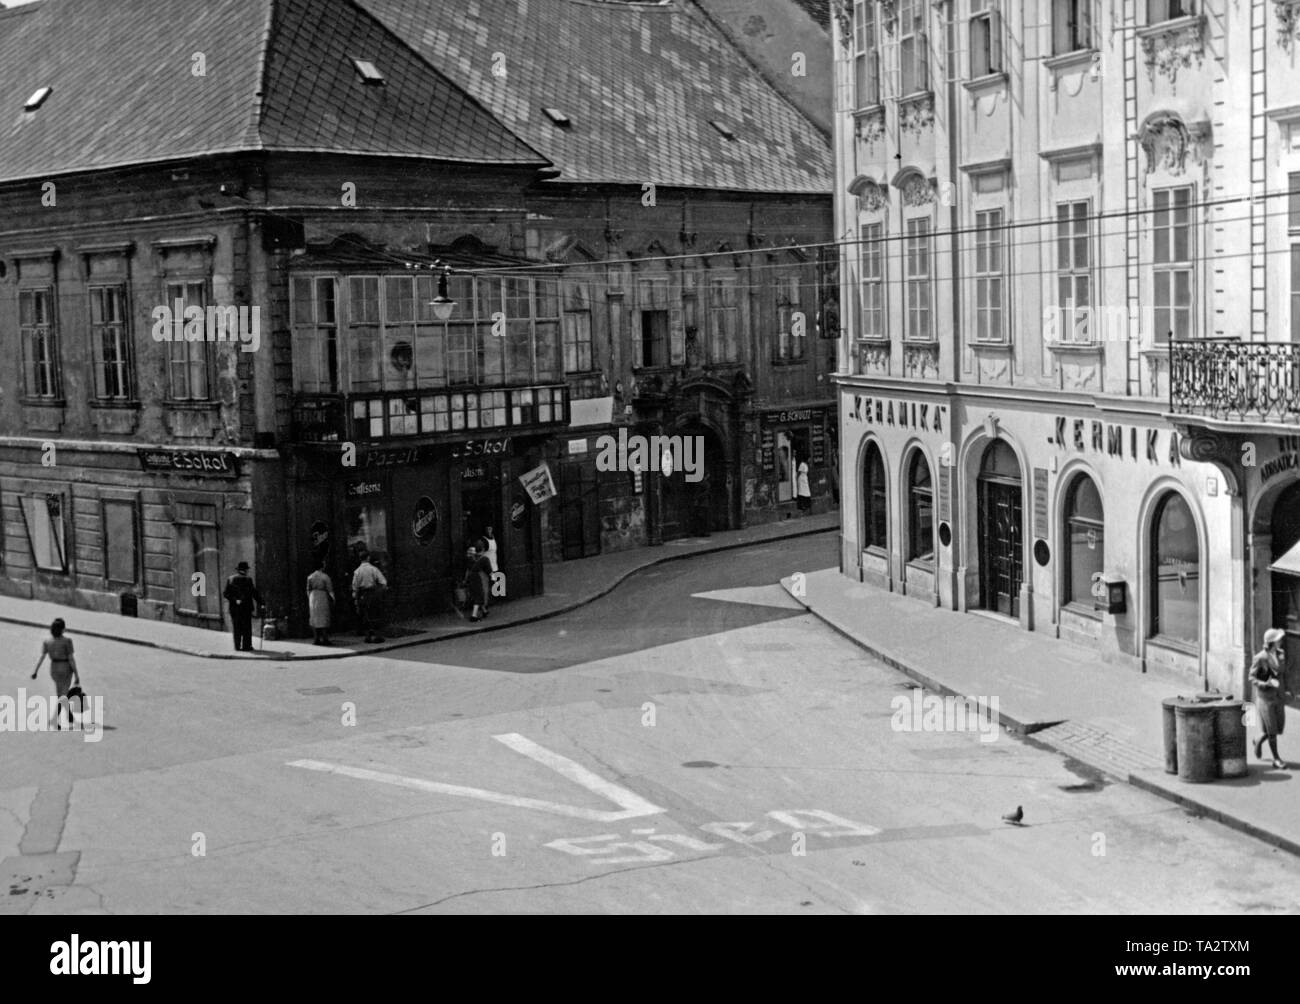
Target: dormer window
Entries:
(37, 99)
(558, 117)
(369, 72)
(723, 131)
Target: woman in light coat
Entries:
(1270, 689)
(320, 603)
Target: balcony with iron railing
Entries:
(1228, 380)
(441, 414)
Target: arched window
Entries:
(1085, 552)
(920, 510)
(874, 501)
(1175, 572)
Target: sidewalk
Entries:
(1062, 695)
(568, 585)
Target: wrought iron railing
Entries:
(1234, 380)
(391, 416)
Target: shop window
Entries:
(1175, 572)
(46, 524)
(1071, 26)
(110, 343)
(40, 343)
(920, 510)
(1085, 552)
(874, 500)
(368, 533)
(187, 362)
(1171, 223)
(121, 543)
(198, 572)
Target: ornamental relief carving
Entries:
(844, 17)
(1167, 141)
(873, 359)
(1288, 22)
(870, 128)
(918, 191)
(1177, 48)
(916, 115)
(873, 197)
(921, 362)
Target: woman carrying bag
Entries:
(63, 668)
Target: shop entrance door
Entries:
(1001, 551)
(579, 512)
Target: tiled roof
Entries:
(639, 84)
(124, 91)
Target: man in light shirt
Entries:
(367, 580)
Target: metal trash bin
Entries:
(1167, 707)
(1197, 760)
(1230, 738)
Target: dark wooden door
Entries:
(579, 511)
(1001, 547)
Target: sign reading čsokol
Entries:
(192, 462)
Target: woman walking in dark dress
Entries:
(1266, 675)
(476, 582)
(63, 667)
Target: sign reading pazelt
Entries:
(538, 483)
(195, 463)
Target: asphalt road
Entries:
(691, 743)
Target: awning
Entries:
(1288, 563)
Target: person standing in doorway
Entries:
(802, 492)
(245, 604)
(1266, 676)
(63, 668)
(320, 603)
(367, 581)
(491, 548)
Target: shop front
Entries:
(1091, 524)
(788, 437)
(415, 510)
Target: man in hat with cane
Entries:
(244, 599)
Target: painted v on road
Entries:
(631, 805)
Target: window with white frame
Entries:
(577, 329)
(1071, 26)
(913, 48)
(985, 38)
(866, 58)
(873, 281)
(40, 343)
(315, 334)
(1295, 292)
(724, 321)
(790, 344)
(917, 279)
(187, 362)
(110, 343)
(1167, 10)
(989, 276)
(1074, 271)
(1172, 268)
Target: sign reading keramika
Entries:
(638, 454)
(180, 323)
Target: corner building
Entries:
(1072, 267)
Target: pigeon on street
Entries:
(1014, 818)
